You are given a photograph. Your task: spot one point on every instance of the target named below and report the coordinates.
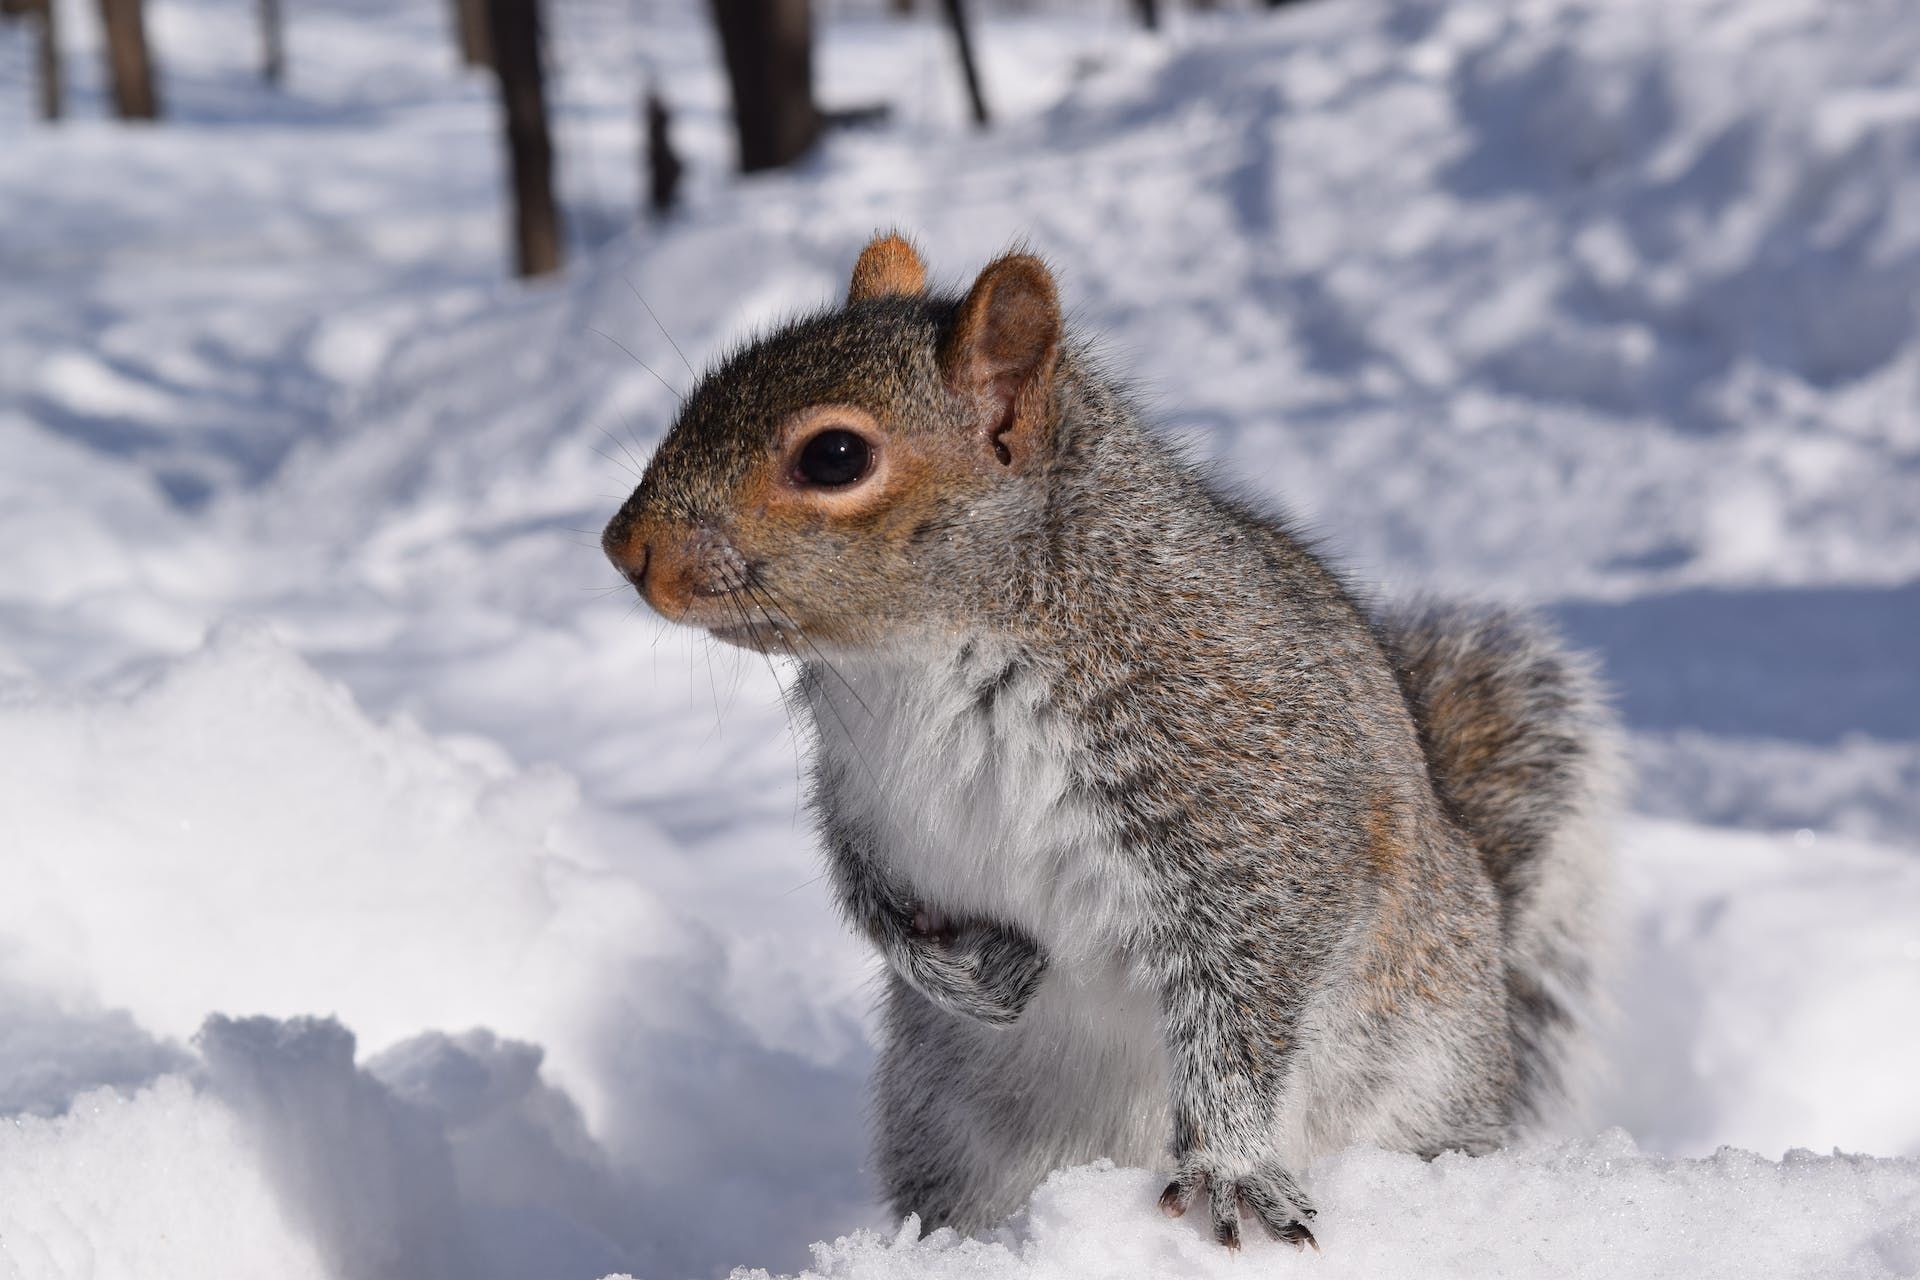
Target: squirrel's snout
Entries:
(634, 569)
(620, 540)
(664, 564)
(631, 553)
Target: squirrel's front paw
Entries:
(1269, 1194)
(988, 972)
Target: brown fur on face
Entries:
(948, 395)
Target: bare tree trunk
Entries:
(129, 65)
(470, 25)
(1149, 11)
(273, 47)
(768, 46)
(513, 30)
(662, 161)
(957, 19)
(52, 89)
(902, 8)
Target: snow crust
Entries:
(1594, 1208)
(385, 898)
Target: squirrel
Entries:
(1177, 853)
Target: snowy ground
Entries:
(387, 898)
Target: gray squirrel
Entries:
(1177, 855)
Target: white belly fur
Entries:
(971, 799)
(973, 802)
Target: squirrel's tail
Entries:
(1524, 750)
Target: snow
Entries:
(1592, 1208)
(385, 896)
(159, 1185)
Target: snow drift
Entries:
(229, 832)
(1598, 1208)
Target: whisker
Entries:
(832, 704)
(637, 468)
(616, 462)
(790, 703)
(803, 884)
(637, 360)
(663, 329)
(768, 593)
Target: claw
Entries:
(1297, 1235)
(1180, 1193)
(1270, 1199)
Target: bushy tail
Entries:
(1524, 750)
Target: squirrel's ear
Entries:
(1002, 353)
(887, 265)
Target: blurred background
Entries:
(427, 909)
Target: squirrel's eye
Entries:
(832, 458)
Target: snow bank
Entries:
(274, 1156)
(239, 816)
(552, 1046)
(615, 1087)
(157, 1186)
(1764, 995)
(1598, 1208)
(292, 1164)
(447, 1157)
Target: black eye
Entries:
(832, 459)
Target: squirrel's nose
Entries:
(625, 543)
(661, 559)
(634, 569)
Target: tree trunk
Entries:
(513, 30)
(51, 86)
(273, 48)
(129, 65)
(1149, 11)
(470, 26)
(768, 46)
(957, 19)
(662, 161)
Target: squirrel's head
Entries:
(834, 483)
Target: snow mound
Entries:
(1598, 1208)
(275, 1156)
(1759, 974)
(229, 836)
(157, 1186)
(239, 815)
